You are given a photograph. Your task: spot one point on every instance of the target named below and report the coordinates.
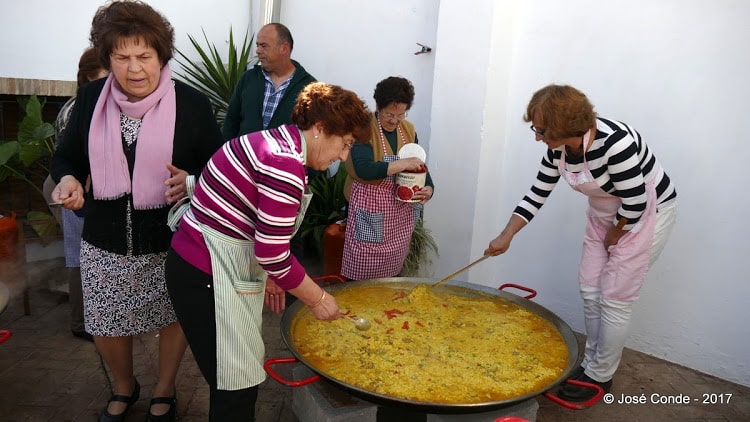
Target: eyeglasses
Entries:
(348, 145)
(390, 116)
(538, 131)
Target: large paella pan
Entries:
(457, 348)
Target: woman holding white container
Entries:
(379, 224)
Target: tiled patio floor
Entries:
(46, 374)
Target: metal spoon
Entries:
(361, 323)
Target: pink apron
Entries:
(621, 271)
(378, 230)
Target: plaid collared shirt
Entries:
(272, 97)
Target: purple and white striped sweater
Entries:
(251, 189)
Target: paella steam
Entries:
(434, 347)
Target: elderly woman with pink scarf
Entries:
(139, 135)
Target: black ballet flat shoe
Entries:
(576, 393)
(577, 373)
(108, 417)
(171, 414)
(83, 335)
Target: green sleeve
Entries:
(231, 126)
(368, 169)
(365, 166)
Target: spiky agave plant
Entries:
(213, 75)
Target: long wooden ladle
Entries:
(444, 279)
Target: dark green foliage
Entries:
(214, 76)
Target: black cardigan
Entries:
(196, 138)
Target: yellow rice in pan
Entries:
(430, 346)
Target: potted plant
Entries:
(326, 213)
(325, 222)
(421, 247)
(27, 158)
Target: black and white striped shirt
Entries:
(621, 164)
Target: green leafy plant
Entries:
(213, 75)
(327, 206)
(27, 157)
(420, 246)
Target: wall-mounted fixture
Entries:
(425, 49)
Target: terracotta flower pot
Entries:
(333, 248)
(8, 233)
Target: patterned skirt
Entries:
(124, 295)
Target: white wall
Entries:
(43, 39)
(674, 69)
(671, 68)
(356, 44)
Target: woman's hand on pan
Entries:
(322, 305)
(327, 309)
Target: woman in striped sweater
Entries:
(231, 254)
(632, 208)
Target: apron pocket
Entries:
(368, 226)
(248, 287)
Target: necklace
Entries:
(382, 138)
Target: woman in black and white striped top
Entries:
(616, 146)
(632, 209)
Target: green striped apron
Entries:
(239, 286)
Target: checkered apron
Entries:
(378, 230)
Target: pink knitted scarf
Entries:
(109, 167)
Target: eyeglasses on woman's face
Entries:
(538, 131)
(391, 116)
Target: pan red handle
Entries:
(291, 383)
(520, 287)
(578, 406)
(5, 335)
(327, 280)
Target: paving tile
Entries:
(48, 375)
